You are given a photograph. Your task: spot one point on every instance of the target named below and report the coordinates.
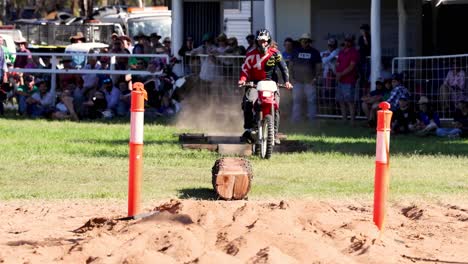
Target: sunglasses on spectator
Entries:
(167, 42)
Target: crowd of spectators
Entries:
(340, 71)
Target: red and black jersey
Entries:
(258, 66)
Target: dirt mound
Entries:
(189, 231)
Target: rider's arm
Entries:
(283, 67)
(245, 70)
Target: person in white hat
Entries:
(22, 60)
(427, 120)
(305, 69)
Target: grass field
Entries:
(66, 160)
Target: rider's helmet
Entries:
(263, 34)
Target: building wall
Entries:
(293, 18)
(335, 18)
(237, 22)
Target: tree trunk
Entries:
(231, 178)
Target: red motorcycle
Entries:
(265, 108)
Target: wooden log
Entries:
(210, 147)
(231, 178)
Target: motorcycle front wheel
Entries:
(267, 137)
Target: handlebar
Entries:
(252, 85)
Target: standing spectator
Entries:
(329, 57)
(460, 122)
(167, 46)
(452, 89)
(187, 47)
(305, 66)
(3, 67)
(346, 73)
(8, 56)
(288, 50)
(398, 91)
(251, 43)
(404, 118)
(156, 46)
(208, 71)
(427, 120)
(64, 79)
(364, 43)
(127, 43)
(22, 60)
(78, 38)
(234, 48)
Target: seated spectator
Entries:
(370, 103)
(453, 87)
(26, 88)
(460, 122)
(404, 118)
(42, 102)
(427, 120)
(123, 107)
(397, 92)
(96, 105)
(112, 95)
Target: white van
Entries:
(77, 51)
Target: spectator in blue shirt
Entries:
(397, 92)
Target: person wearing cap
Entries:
(460, 122)
(22, 60)
(329, 57)
(346, 72)
(156, 46)
(403, 118)
(427, 120)
(398, 91)
(26, 88)
(208, 70)
(305, 68)
(78, 38)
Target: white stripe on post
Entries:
(383, 138)
(136, 127)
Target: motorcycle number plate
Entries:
(252, 94)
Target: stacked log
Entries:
(231, 178)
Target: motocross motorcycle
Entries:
(265, 107)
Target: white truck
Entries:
(146, 20)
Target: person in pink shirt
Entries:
(453, 87)
(346, 76)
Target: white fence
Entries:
(433, 77)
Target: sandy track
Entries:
(189, 231)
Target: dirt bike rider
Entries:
(260, 64)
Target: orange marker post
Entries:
(135, 171)
(382, 164)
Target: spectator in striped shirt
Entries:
(398, 91)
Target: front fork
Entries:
(260, 124)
